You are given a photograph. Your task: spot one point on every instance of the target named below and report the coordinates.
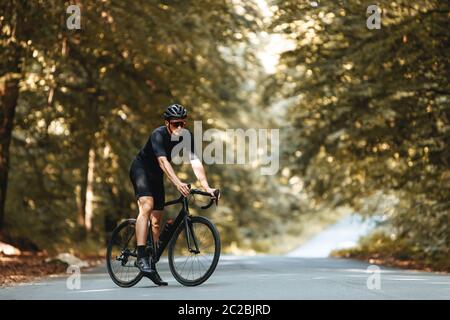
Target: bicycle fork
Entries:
(189, 230)
(190, 236)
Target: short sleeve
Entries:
(157, 141)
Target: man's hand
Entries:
(183, 188)
(211, 191)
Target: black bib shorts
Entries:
(147, 183)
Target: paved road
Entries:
(343, 234)
(260, 277)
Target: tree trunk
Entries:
(9, 90)
(89, 208)
(9, 93)
(81, 204)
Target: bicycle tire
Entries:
(134, 280)
(217, 247)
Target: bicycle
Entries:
(187, 236)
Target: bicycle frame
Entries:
(183, 216)
(184, 222)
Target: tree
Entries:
(89, 98)
(373, 110)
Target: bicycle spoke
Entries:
(189, 265)
(189, 272)
(126, 273)
(192, 266)
(207, 260)
(203, 234)
(188, 269)
(198, 257)
(200, 269)
(185, 263)
(121, 259)
(129, 238)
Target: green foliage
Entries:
(102, 89)
(380, 246)
(372, 111)
(367, 126)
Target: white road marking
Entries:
(96, 290)
(406, 279)
(34, 284)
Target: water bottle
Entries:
(165, 233)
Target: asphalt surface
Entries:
(258, 277)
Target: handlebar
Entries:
(203, 193)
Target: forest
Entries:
(363, 115)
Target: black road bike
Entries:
(193, 252)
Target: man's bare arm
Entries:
(166, 167)
(200, 173)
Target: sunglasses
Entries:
(177, 124)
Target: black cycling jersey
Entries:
(160, 143)
(145, 172)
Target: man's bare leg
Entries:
(145, 209)
(145, 212)
(156, 217)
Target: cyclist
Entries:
(146, 174)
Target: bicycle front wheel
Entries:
(194, 251)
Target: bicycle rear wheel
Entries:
(193, 268)
(121, 255)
